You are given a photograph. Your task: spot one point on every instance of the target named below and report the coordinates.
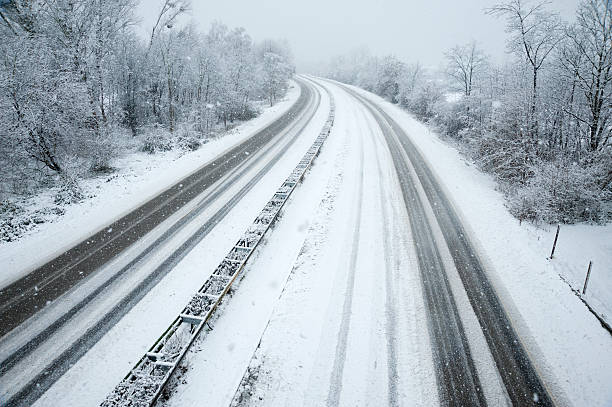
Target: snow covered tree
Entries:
(275, 72)
(74, 76)
(540, 123)
(535, 34)
(588, 59)
(390, 72)
(464, 62)
(411, 77)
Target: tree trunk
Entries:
(534, 118)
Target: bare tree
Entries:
(111, 18)
(168, 14)
(166, 19)
(464, 63)
(535, 33)
(588, 58)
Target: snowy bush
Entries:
(248, 111)
(9, 208)
(187, 137)
(156, 141)
(424, 100)
(559, 192)
(189, 143)
(452, 119)
(106, 148)
(69, 190)
(16, 221)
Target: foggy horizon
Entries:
(383, 27)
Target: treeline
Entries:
(78, 85)
(540, 123)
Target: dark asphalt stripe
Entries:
(458, 381)
(520, 377)
(37, 386)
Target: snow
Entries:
(126, 342)
(453, 97)
(576, 246)
(572, 349)
(280, 335)
(140, 176)
(290, 348)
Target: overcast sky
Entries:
(414, 30)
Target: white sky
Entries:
(318, 29)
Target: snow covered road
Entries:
(372, 342)
(326, 294)
(36, 354)
(386, 303)
(373, 289)
(24, 297)
(437, 228)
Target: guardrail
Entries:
(148, 378)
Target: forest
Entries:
(80, 86)
(540, 123)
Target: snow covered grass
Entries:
(576, 246)
(39, 229)
(571, 349)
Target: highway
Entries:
(172, 223)
(368, 291)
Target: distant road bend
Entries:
(239, 168)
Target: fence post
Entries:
(555, 243)
(586, 281)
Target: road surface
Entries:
(127, 258)
(369, 290)
(384, 300)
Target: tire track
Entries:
(335, 388)
(458, 381)
(29, 294)
(519, 375)
(167, 265)
(391, 270)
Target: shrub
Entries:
(69, 190)
(106, 148)
(155, 143)
(189, 143)
(559, 192)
